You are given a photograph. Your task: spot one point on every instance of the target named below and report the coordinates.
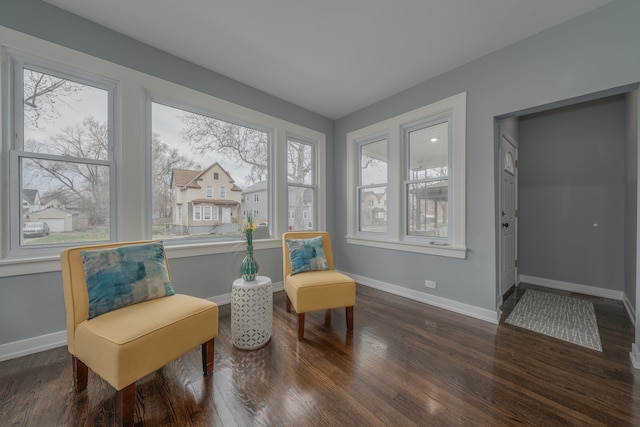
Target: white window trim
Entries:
(197, 213)
(222, 192)
(133, 120)
(207, 210)
(13, 117)
(209, 192)
(395, 237)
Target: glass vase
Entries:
(249, 267)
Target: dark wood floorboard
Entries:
(406, 364)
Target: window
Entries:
(256, 197)
(372, 188)
(407, 180)
(61, 165)
(131, 193)
(426, 188)
(190, 152)
(301, 178)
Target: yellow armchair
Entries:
(316, 290)
(128, 343)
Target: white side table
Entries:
(251, 313)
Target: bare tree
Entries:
(41, 93)
(164, 160)
(241, 144)
(84, 185)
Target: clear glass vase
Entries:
(249, 267)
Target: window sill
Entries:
(45, 264)
(427, 249)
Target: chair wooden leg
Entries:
(207, 356)
(80, 374)
(349, 311)
(126, 405)
(288, 303)
(300, 326)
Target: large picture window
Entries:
(61, 163)
(209, 167)
(407, 187)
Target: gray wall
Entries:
(631, 198)
(591, 53)
(572, 176)
(33, 305)
(594, 52)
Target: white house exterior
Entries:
(204, 200)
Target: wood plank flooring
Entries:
(406, 364)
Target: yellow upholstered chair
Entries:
(128, 343)
(318, 289)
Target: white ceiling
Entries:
(332, 57)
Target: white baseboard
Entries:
(572, 287)
(28, 346)
(635, 356)
(630, 311)
(447, 304)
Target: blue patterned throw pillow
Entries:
(126, 275)
(306, 255)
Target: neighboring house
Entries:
(30, 201)
(254, 202)
(300, 209)
(59, 220)
(204, 200)
(373, 210)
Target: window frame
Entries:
(371, 139)
(396, 237)
(13, 144)
(132, 123)
(313, 185)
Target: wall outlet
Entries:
(430, 284)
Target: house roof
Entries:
(29, 195)
(189, 178)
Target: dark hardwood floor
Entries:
(406, 364)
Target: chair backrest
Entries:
(326, 246)
(74, 283)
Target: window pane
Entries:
(301, 208)
(427, 209)
(299, 163)
(63, 117)
(205, 166)
(373, 163)
(429, 152)
(71, 198)
(373, 209)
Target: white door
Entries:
(508, 217)
(226, 215)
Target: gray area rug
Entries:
(565, 318)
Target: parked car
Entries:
(35, 229)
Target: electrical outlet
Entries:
(430, 284)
